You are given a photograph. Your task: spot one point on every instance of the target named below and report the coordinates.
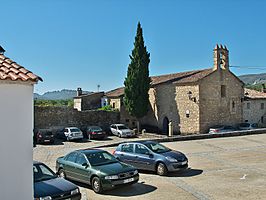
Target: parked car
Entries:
(59, 134)
(44, 136)
(121, 130)
(73, 133)
(97, 168)
(94, 132)
(48, 186)
(247, 126)
(149, 155)
(221, 129)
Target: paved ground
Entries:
(221, 168)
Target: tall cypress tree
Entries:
(137, 82)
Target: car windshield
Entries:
(42, 173)
(74, 130)
(96, 128)
(122, 127)
(157, 148)
(100, 158)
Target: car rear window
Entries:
(74, 130)
(122, 127)
(95, 128)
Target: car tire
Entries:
(62, 173)
(96, 185)
(161, 169)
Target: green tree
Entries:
(137, 82)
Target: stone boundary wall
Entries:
(59, 117)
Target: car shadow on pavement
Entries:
(182, 173)
(104, 139)
(136, 189)
(185, 173)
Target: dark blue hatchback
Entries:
(48, 186)
(149, 155)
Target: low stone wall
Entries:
(60, 117)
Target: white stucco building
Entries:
(16, 120)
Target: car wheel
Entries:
(161, 169)
(96, 185)
(62, 173)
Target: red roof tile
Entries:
(116, 92)
(254, 94)
(182, 77)
(10, 70)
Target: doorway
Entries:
(165, 125)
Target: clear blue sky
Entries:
(83, 43)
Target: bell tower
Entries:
(220, 58)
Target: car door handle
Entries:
(136, 156)
(122, 154)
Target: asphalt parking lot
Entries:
(220, 168)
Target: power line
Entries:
(250, 67)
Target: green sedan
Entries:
(97, 168)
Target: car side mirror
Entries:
(85, 165)
(149, 154)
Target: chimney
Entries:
(79, 91)
(2, 51)
(263, 89)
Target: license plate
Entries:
(183, 163)
(46, 140)
(128, 180)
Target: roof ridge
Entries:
(199, 70)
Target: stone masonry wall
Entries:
(60, 117)
(188, 108)
(218, 110)
(256, 112)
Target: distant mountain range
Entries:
(69, 94)
(57, 95)
(253, 79)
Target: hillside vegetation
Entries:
(56, 103)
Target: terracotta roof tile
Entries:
(10, 70)
(253, 94)
(116, 92)
(182, 77)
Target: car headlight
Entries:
(76, 191)
(43, 198)
(171, 159)
(136, 172)
(111, 177)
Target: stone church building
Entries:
(194, 100)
